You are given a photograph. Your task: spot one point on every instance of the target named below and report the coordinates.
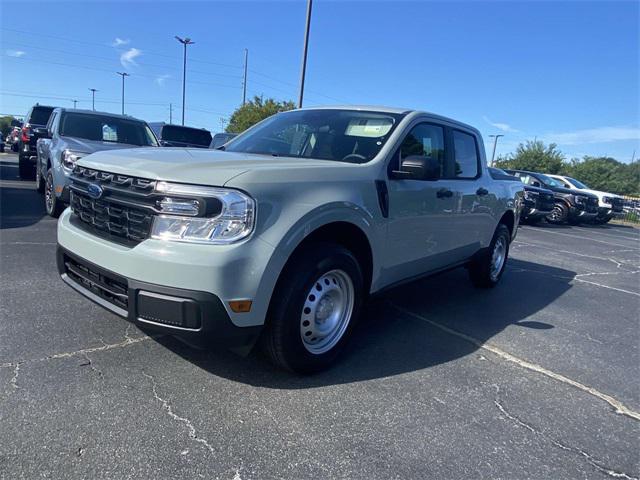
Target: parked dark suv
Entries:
(538, 202)
(570, 206)
(181, 136)
(34, 127)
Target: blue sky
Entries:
(564, 72)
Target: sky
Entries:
(563, 72)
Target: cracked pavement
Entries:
(537, 378)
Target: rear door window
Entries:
(466, 155)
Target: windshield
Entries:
(550, 181)
(576, 183)
(176, 133)
(103, 128)
(40, 115)
(340, 135)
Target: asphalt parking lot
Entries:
(538, 378)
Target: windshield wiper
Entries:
(221, 147)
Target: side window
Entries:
(466, 155)
(425, 140)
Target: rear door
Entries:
(475, 190)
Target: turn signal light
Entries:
(240, 306)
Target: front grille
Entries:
(110, 288)
(617, 204)
(592, 205)
(129, 223)
(546, 201)
(124, 210)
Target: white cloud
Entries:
(505, 127)
(127, 59)
(16, 53)
(118, 42)
(161, 79)
(594, 135)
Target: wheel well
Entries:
(350, 237)
(508, 219)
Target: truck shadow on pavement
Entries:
(20, 203)
(397, 335)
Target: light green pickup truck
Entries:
(281, 235)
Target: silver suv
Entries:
(283, 235)
(72, 134)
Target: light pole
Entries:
(123, 74)
(244, 80)
(495, 143)
(75, 102)
(93, 98)
(186, 41)
(304, 52)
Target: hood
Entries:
(82, 145)
(195, 166)
(531, 188)
(599, 193)
(567, 191)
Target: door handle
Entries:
(482, 191)
(444, 193)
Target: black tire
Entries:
(481, 273)
(39, 181)
(574, 221)
(559, 214)
(25, 169)
(52, 204)
(282, 338)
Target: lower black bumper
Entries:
(529, 213)
(198, 318)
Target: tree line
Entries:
(598, 173)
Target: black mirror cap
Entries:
(418, 167)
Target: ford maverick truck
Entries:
(279, 238)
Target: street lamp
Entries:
(186, 41)
(304, 52)
(93, 98)
(495, 143)
(123, 74)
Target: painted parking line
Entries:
(581, 237)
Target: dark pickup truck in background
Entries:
(538, 202)
(180, 136)
(34, 127)
(570, 206)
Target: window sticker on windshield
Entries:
(369, 127)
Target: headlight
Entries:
(580, 200)
(607, 200)
(531, 196)
(226, 215)
(70, 158)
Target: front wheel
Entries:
(487, 268)
(559, 214)
(314, 308)
(39, 181)
(52, 204)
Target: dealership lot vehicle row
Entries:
(536, 378)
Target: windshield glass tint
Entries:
(102, 128)
(341, 135)
(40, 115)
(173, 133)
(576, 183)
(550, 181)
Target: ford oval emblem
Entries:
(94, 190)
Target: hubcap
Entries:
(556, 213)
(498, 257)
(48, 194)
(327, 311)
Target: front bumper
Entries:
(198, 318)
(534, 213)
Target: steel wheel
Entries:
(327, 311)
(498, 256)
(49, 194)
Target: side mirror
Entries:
(418, 167)
(164, 143)
(536, 184)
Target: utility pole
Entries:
(244, 81)
(93, 98)
(75, 102)
(222, 123)
(304, 52)
(123, 74)
(170, 113)
(186, 41)
(495, 143)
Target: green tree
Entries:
(534, 156)
(606, 174)
(254, 111)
